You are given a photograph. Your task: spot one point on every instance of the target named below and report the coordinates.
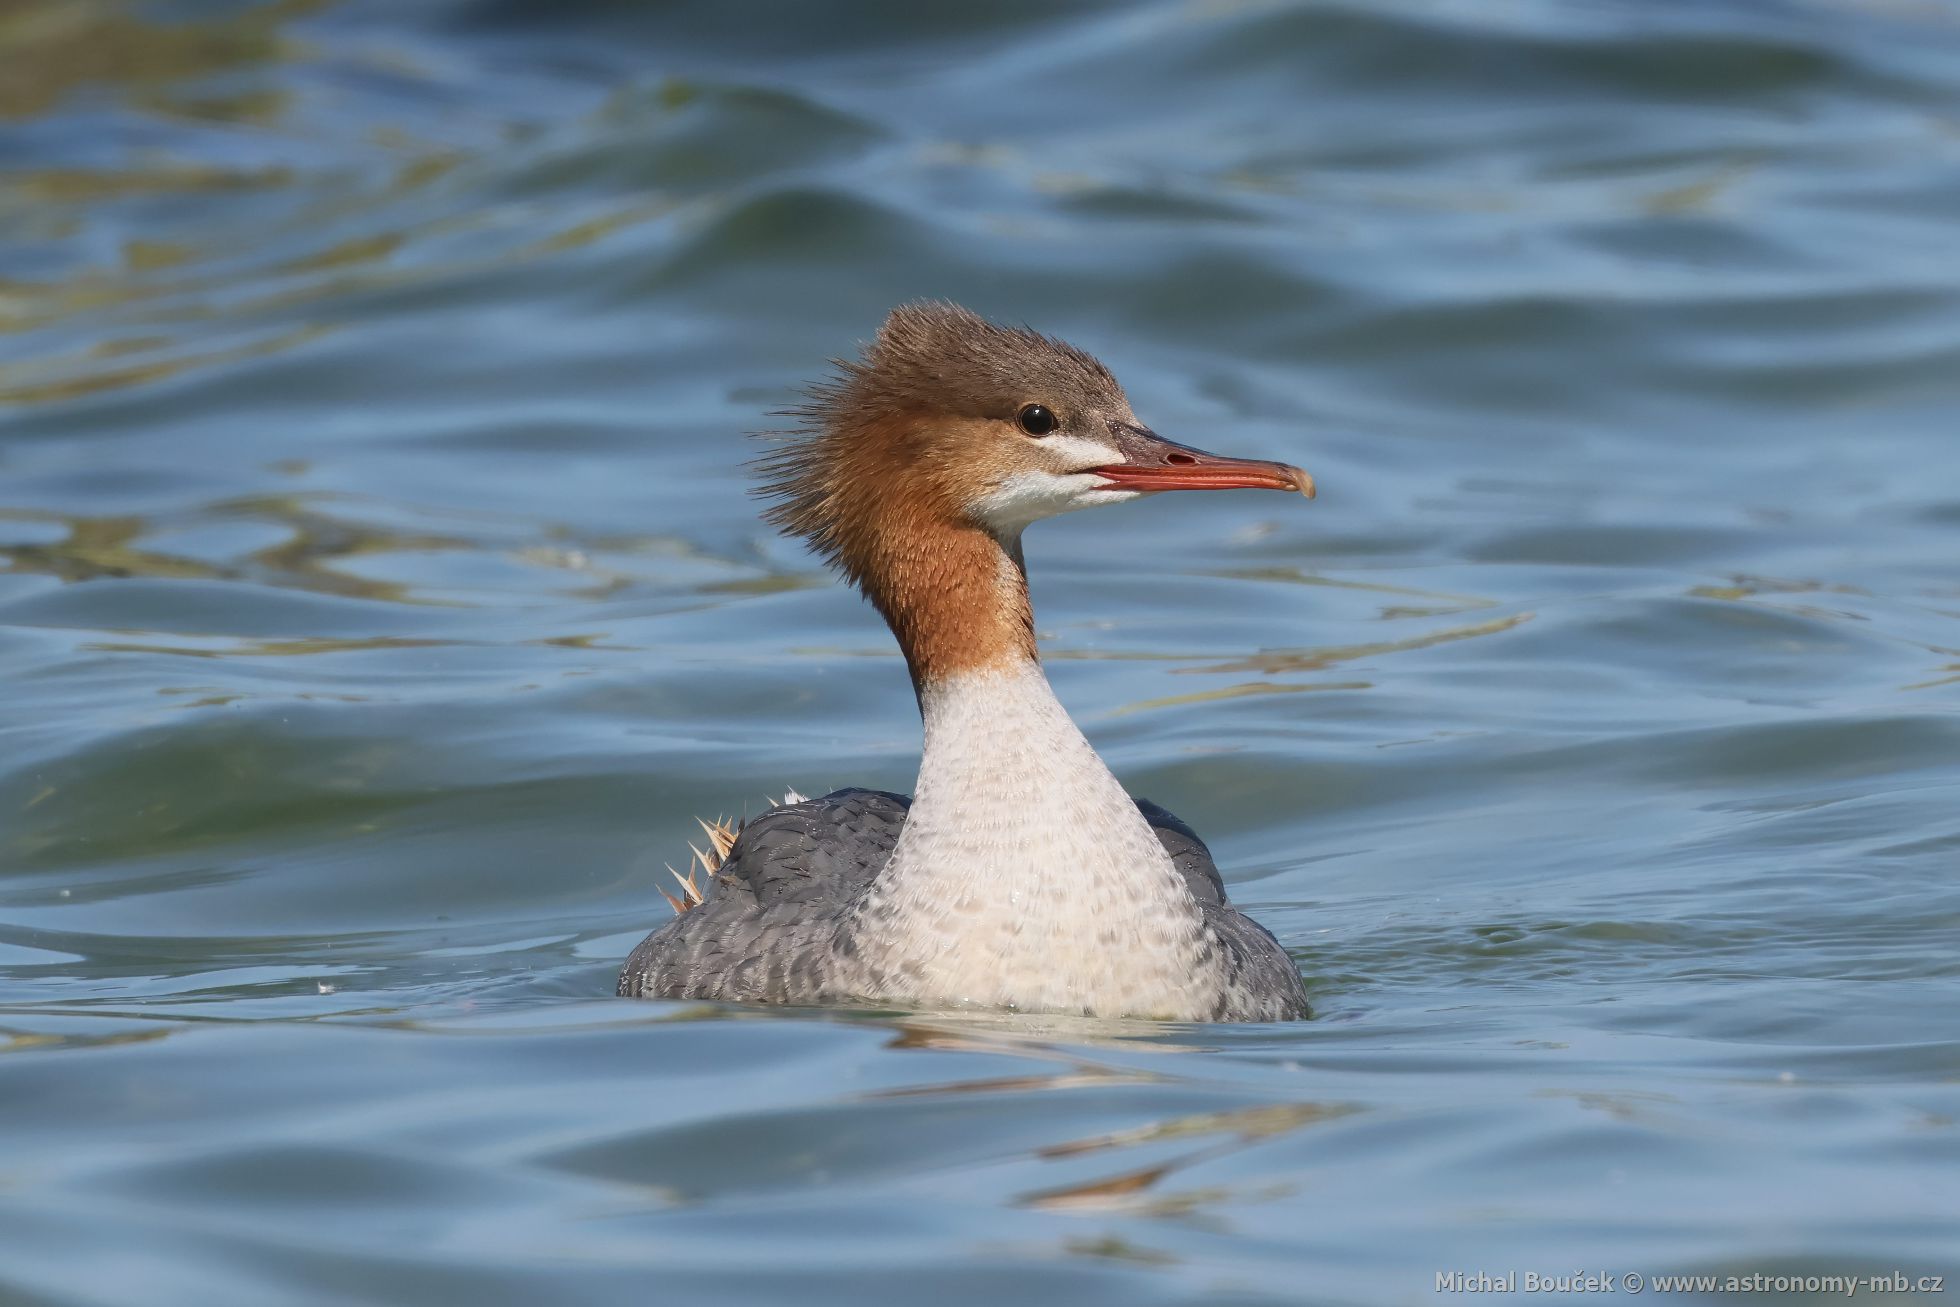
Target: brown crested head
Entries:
(915, 464)
(923, 425)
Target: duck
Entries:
(1019, 874)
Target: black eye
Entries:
(1036, 420)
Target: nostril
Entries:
(1179, 458)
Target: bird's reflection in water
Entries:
(1067, 1041)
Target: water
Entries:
(380, 603)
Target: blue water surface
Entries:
(380, 603)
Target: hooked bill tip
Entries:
(1303, 482)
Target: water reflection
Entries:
(325, 541)
(52, 48)
(1141, 1191)
(108, 547)
(373, 379)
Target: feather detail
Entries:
(705, 863)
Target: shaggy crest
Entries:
(930, 359)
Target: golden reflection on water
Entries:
(1265, 662)
(1242, 690)
(1744, 588)
(1138, 1191)
(269, 649)
(1937, 681)
(95, 547)
(317, 551)
(1067, 1041)
(1245, 1124)
(1447, 602)
(1270, 662)
(29, 384)
(52, 50)
(15, 1041)
(335, 176)
(49, 48)
(98, 547)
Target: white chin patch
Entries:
(1027, 497)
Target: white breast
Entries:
(1025, 876)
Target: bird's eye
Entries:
(1037, 420)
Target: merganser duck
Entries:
(1019, 875)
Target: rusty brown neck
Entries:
(954, 595)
